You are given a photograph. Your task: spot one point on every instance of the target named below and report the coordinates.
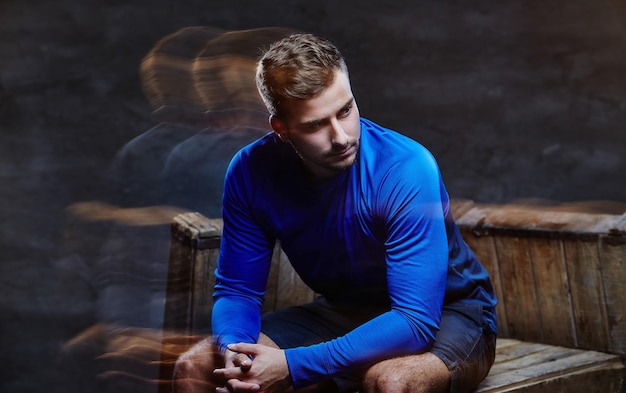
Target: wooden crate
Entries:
(560, 276)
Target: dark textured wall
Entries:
(515, 99)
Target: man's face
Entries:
(324, 130)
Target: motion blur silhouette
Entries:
(200, 84)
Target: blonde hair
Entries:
(299, 66)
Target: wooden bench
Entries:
(559, 275)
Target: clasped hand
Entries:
(253, 368)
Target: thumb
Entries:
(248, 349)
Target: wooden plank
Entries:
(470, 224)
(203, 284)
(459, 207)
(528, 355)
(284, 287)
(530, 367)
(485, 250)
(191, 233)
(587, 289)
(179, 286)
(194, 227)
(503, 343)
(291, 290)
(613, 258)
(606, 379)
(553, 295)
(271, 287)
(506, 359)
(520, 302)
(552, 362)
(533, 219)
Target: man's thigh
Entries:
(462, 345)
(465, 345)
(314, 322)
(317, 322)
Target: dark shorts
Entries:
(463, 342)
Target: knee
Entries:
(185, 367)
(412, 374)
(379, 380)
(196, 363)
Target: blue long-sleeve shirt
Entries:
(379, 232)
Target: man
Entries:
(363, 215)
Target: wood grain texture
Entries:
(527, 367)
(485, 250)
(291, 290)
(576, 261)
(613, 258)
(552, 289)
(519, 293)
(587, 288)
(203, 283)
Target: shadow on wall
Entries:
(200, 83)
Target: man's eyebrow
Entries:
(347, 104)
(317, 121)
(310, 123)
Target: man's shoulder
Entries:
(260, 144)
(389, 146)
(269, 145)
(266, 158)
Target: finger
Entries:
(249, 349)
(236, 385)
(242, 360)
(229, 358)
(228, 373)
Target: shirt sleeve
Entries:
(243, 265)
(409, 201)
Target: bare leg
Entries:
(409, 374)
(194, 369)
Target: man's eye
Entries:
(345, 111)
(314, 126)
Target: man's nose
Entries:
(338, 135)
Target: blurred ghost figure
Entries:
(200, 84)
(198, 79)
(125, 359)
(223, 74)
(167, 80)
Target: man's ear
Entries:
(279, 128)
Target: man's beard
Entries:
(338, 149)
(325, 160)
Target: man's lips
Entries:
(343, 153)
